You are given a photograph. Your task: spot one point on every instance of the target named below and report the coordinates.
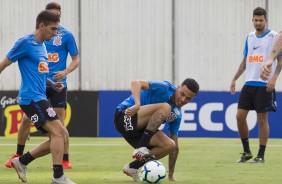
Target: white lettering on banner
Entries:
(230, 118)
(205, 117)
(188, 115)
(7, 101)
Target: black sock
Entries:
(26, 158)
(58, 171)
(246, 146)
(146, 137)
(136, 164)
(66, 157)
(261, 151)
(20, 149)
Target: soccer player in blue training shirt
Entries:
(138, 118)
(58, 48)
(31, 54)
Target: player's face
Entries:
(259, 22)
(183, 95)
(50, 30)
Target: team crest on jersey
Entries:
(57, 40)
(51, 112)
(173, 115)
(34, 41)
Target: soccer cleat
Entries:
(245, 157)
(8, 163)
(133, 173)
(20, 169)
(66, 164)
(258, 159)
(62, 180)
(140, 153)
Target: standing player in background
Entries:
(138, 118)
(275, 52)
(31, 54)
(58, 48)
(256, 94)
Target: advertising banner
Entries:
(210, 114)
(81, 114)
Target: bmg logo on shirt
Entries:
(53, 57)
(43, 67)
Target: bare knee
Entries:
(169, 146)
(165, 109)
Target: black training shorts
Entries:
(257, 98)
(39, 112)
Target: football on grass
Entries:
(153, 171)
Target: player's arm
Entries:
(172, 158)
(5, 63)
(72, 66)
(241, 69)
(136, 87)
(276, 50)
(272, 82)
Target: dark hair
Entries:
(53, 5)
(46, 17)
(259, 11)
(191, 84)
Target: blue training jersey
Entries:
(33, 64)
(158, 92)
(58, 48)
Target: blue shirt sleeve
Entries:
(18, 51)
(71, 45)
(173, 126)
(245, 53)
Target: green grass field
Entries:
(201, 161)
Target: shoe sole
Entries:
(21, 177)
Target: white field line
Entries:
(106, 145)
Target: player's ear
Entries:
(41, 25)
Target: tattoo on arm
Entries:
(277, 47)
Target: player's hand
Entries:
(232, 87)
(266, 70)
(58, 86)
(60, 75)
(271, 84)
(132, 110)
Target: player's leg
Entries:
(245, 104)
(58, 101)
(149, 117)
(263, 135)
(264, 102)
(243, 130)
(23, 133)
(161, 145)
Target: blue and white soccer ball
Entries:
(153, 171)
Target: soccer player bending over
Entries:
(138, 118)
